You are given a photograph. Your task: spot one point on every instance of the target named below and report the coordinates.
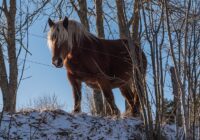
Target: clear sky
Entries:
(46, 80)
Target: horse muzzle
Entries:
(58, 63)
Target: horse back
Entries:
(120, 64)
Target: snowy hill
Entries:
(60, 125)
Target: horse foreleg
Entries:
(108, 94)
(76, 87)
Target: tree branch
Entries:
(75, 7)
(4, 8)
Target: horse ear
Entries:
(51, 23)
(65, 22)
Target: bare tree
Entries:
(139, 64)
(9, 29)
(177, 107)
(97, 95)
(9, 84)
(177, 20)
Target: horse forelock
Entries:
(59, 33)
(74, 34)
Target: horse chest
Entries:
(73, 65)
(79, 71)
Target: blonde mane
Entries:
(75, 33)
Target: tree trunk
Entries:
(135, 24)
(121, 19)
(177, 107)
(101, 105)
(82, 12)
(99, 19)
(98, 98)
(184, 113)
(9, 84)
(122, 28)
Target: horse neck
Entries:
(85, 42)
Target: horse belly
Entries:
(93, 85)
(89, 79)
(120, 74)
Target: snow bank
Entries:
(61, 125)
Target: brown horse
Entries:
(101, 64)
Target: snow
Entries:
(61, 125)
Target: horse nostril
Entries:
(57, 62)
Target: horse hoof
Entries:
(128, 114)
(131, 113)
(116, 112)
(76, 111)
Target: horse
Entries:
(101, 64)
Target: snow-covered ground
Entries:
(60, 125)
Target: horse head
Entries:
(57, 40)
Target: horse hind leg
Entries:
(108, 94)
(132, 99)
(137, 106)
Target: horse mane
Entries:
(75, 33)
